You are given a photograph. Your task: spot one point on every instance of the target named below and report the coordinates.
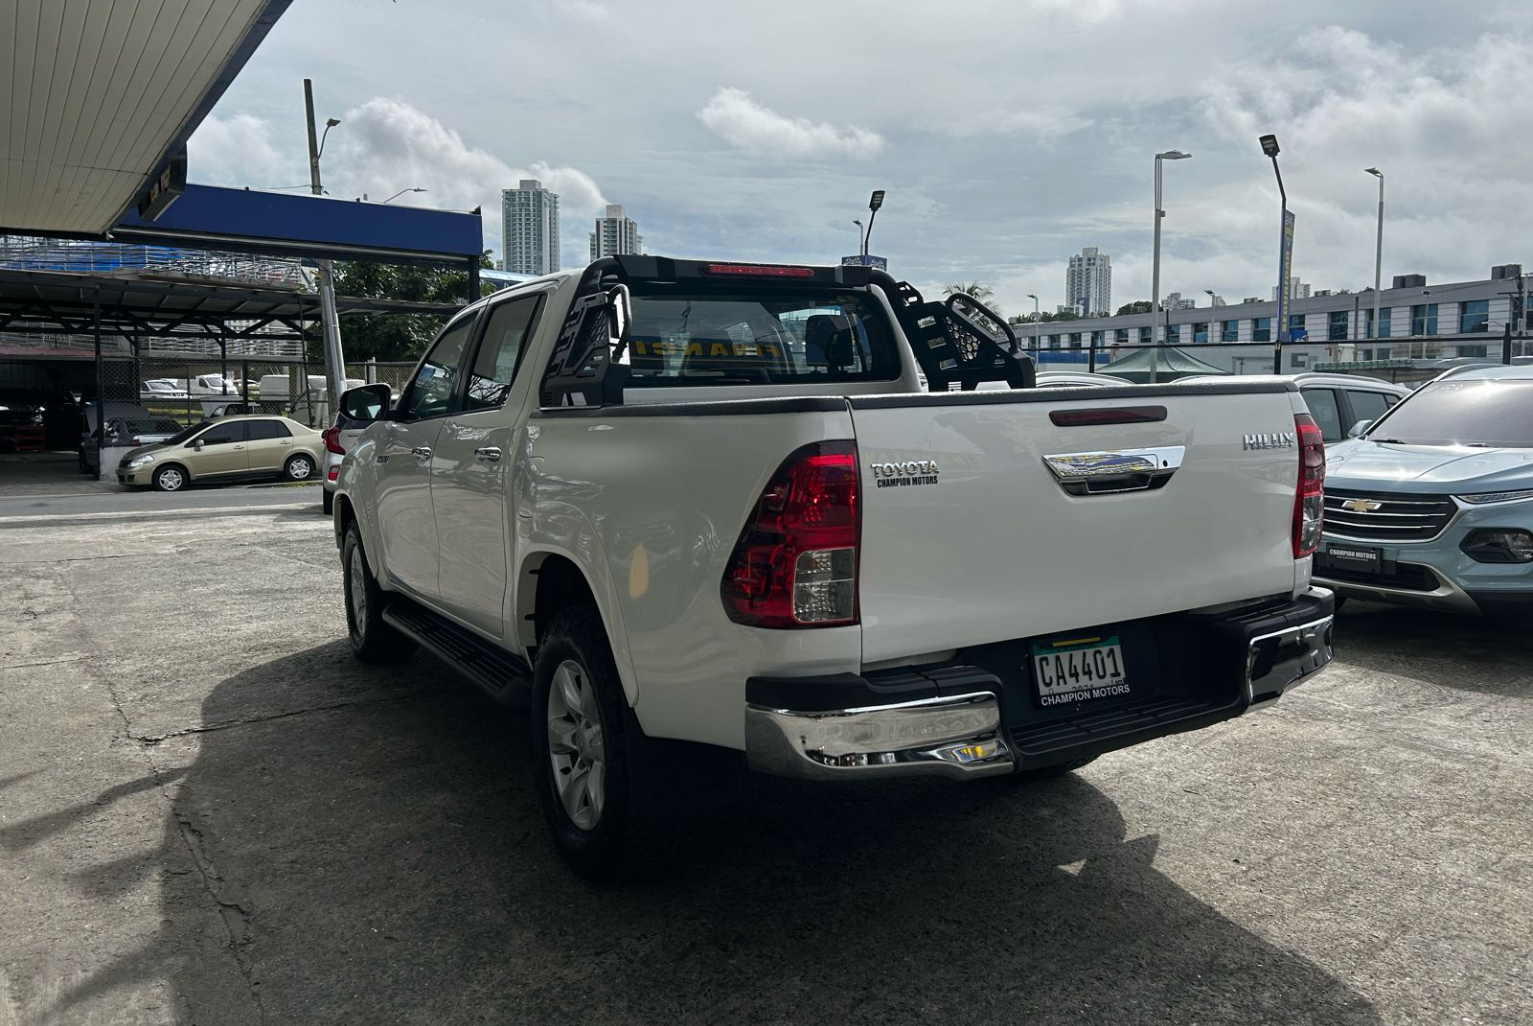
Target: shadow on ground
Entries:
(1468, 653)
(386, 862)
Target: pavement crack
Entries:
(154, 739)
(44, 662)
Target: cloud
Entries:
(747, 125)
(584, 10)
(239, 150)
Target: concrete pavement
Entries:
(210, 813)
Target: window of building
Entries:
(1200, 332)
(1144, 334)
(1173, 333)
(1336, 326)
(1120, 336)
(1297, 360)
(1075, 340)
(1424, 319)
(1296, 327)
(1474, 315)
(1096, 339)
(1053, 341)
(1229, 331)
(1479, 351)
(1261, 329)
(1383, 352)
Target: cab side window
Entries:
(509, 327)
(261, 430)
(433, 390)
(1367, 405)
(224, 434)
(1327, 413)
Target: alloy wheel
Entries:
(575, 747)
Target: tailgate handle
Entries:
(1108, 471)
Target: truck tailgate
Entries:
(970, 536)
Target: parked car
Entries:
(126, 431)
(633, 492)
(1432, 505)
(227, 449)
(21, 427)
(1338, 402)
(160, 389)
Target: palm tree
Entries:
(975, 290)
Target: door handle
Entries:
(488, 454)
(422, 452)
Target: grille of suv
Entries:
(1414, 518)
(1405, 576)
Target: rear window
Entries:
(758, 338)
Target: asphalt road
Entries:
(210, 813)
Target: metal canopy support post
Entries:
(330, 323)
(473, 280)
(100, 376)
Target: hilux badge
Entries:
(1268, 440)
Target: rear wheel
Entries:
(169, 478)
(372, 640)
(299, 467)
(580, 744)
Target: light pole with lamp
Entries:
(1378, 253)
(329, 319)
(1285, 257)
(401, 192)
(874, 202)
(1155, 264)
(858, 222)
(1037, 319)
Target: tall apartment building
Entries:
(1088, 283)
(529, 225)
(1296, 289)
(614, 234)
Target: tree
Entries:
(975, 290)
(1062, 315)
(1137, 306)
(394, 336)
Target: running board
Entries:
(507, 678)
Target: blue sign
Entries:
(882, 263)
(1285, 271)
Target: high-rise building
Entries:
(615, 234)
(529, 225)
(1296, 289)
(1088, 283)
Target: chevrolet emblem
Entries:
(1362, 505)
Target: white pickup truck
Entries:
(706, 513)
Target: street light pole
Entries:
(1378, 254)
(874, 202)
(860, 247)
(1037, 319)
(329, 319)
(400, 193)
(1155, 263)
(1285, 256)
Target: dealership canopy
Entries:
(1171, 363)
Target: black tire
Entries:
(595, 848)
(372, 640)
(327, 503)
(172, 477)
(299, 467)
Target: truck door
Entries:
(470, 478)
(406, 530)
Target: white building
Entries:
(1296, 289)
(1417, 321)
(529, 225)
(615, 234)
(1088, 283)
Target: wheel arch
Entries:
(549, 580)
(184, 468)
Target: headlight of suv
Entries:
(1480, 498)
(139, 461)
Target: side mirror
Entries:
(1358, 428)
(365, 404)
(195, 443)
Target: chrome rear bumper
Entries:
(954, 737)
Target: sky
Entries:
(1008, 135)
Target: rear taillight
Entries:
(1309, 496)
(335, 472)
(332, 437)
(795, 564)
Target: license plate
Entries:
(1356, 557)
(1079, 670)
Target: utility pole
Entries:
(329, 319)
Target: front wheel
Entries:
(372, 639)
(579, 743)
(169, 478)
(299, 467)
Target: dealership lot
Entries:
(209, 812)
